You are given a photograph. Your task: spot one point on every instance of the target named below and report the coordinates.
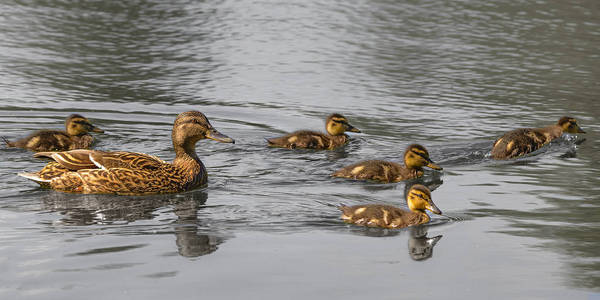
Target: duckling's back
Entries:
(519, 142)
(379, 170)
(45, 140)
(385, 216)
(302, 139)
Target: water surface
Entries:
(451, 75)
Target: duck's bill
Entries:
(353, 129)
(96, 129)
(434, 209)
(219, 137)
(433, 165)
(579, 130)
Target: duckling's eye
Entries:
(343, 122)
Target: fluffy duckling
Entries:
(387, 216)
(526, 140)
(76, 136)
(336, 125)
(415, 158)
(131, 173)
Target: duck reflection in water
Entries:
(420, 247)
(81, 210)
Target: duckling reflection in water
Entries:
(415, 158)
(335, 125)
(387, 216)
(420, 247)
(522, 141)
(75, 136)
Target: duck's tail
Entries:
(7, 142)
(35, 177)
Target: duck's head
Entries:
(192, 126)
(337, 124)
(416, 156)
(419, 199)
(569, 125)
(78, 125)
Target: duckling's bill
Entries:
(353, 129)
(433, 208)
(433, 165)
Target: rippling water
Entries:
(452, 75)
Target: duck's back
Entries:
(308, 140)
(377, 215)
(379, 170)
(519, 142)
(53, 140)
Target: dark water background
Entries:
(452, 75)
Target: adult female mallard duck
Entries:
(387, 216)
(526, 140)
(130, 173)
(415, 158)
(336, 125)
(75, 136)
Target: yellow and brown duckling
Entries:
(336, 125)
(415, 158)
(131, 173)
(75, 136)
(526, 140)
(387, 216)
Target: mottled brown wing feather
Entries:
(72, 160)
(129, 160)
(121, 181)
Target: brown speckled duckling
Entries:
(387, 216)
(526, 140)
(415, 158)
(76, 136)
(336, 125)
(130, 173)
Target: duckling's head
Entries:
(416, 156)
(419, 199)
(569, 125)
(78, 125)
(337, 124)
(192, 126)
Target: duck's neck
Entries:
(187, 162)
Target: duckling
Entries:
(76, 136)
(336, 125)
(415, 158)
(131, 173)
(526, 140)
(387, 216)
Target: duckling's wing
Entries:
(518, 142)
(302, 139)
